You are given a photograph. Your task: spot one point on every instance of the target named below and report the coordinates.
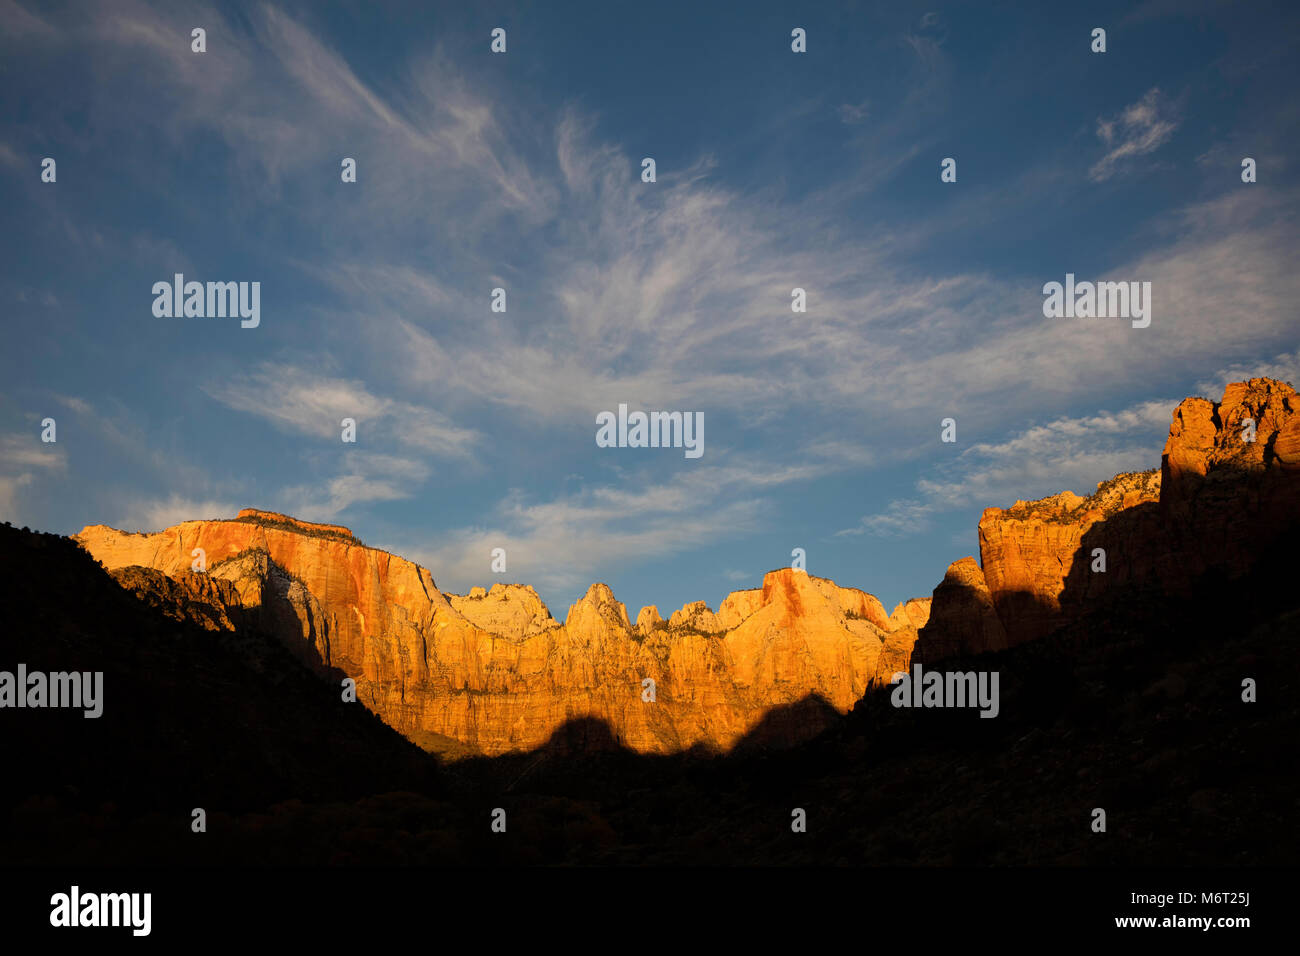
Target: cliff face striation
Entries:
(1217, 504)
(493, 670)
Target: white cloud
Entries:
(366, 477)
(28, 451)
(10, 485)
(20, 23)
(1141, 128)
(158, 514)
(1066, 453)
(676, 296)
(9, 157)
(671, 297)
(311, 403)
(1284, 367)
(122, 433)
(853, 113)
(23, 460)
(565, 542)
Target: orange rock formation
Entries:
(1217, 503)
(492, 669)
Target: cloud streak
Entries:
(1139, 129)
(1042, 460)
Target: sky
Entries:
(522, 170)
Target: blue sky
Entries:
(774, 170)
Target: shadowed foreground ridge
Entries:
(226, 713)
(491, 671)
(1120, 689)
(1137, 710)
(1214, 507)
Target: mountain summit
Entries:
(492, 670)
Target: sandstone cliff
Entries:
(904, 627)
(493, 669)
(513, 609)
(1217, 502)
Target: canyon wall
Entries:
(1218, 503)
(492, 671)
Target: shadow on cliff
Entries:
(239, 725)
(788, 725)
(203, 718)
(283, 619)
(782, 726)
(1135, 708)
(581, 740)
(582, 735)
(1205, 532)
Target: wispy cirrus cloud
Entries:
(1044, 459)
(1066, 453)
(674, 294)
(300, 400)
(678, 296)
(24, 461)
(160, 513)
(21, 23)
(362, 478)
(1139, 129)
(563, 541)
(1284, 367)
(853, 113)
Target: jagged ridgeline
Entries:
(190, 705)
(1227, 492)
(492, 671)
(271, 519)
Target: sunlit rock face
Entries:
(1227, 493)
(493, 669)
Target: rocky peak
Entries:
(914, 612)
(696, 616)
(789, 590)
(1112, 495)
(273, 519)
(1206, 436)
(1217, 502)
(855, 603)
(491, 669)
(737, 606)
(963, 618)
(514, 611)
(598, 609)
(647, 619)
